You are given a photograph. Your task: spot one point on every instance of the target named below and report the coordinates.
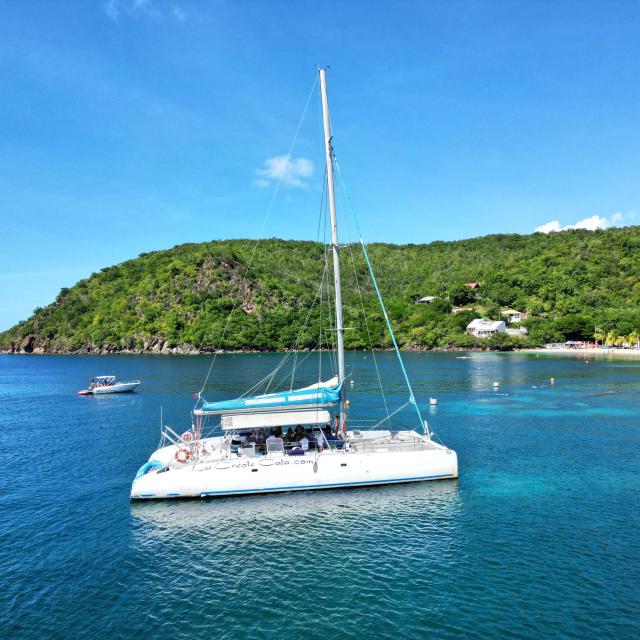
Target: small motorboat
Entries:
(108, 384)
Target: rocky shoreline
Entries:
(29, 345)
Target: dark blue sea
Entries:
(539, 538)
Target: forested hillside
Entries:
(570, 283)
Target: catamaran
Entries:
(296, 439)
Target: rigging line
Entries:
(300, 364)
(296, 346)
(332, 342)
(320, 325)
(412, 398)
(333, 333)
(398, 410)
(322, 210)
(364, 313)
(262, 226)
(292, 350)
(304, 328)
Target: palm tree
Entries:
(599, 335)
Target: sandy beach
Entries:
(590, 352)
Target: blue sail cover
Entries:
(321, 394)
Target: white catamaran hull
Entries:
(266, 474)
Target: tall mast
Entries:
(334, 238)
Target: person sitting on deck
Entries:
(289, 437)
(329, 435)
(304, 443)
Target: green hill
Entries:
(179, 299)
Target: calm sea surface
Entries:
(539, 538)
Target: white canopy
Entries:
(278, 419)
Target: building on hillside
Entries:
(472, 285)
(426, 300)
(461, 309)
(517, 331)
(482, 328)
(513, 317)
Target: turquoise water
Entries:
(538, 538)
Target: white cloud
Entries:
(590, 224)
(548, 227)
(115, 9)
(617, 218)
(178, 13)
(291, 172)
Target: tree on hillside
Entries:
(460, 295)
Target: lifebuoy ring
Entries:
(182, 455)
(187, 437)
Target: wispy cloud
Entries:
(115, 9)
(290, 172)
(590, 224)
(178, 13)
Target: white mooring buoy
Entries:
(496, 384)
(433, 401)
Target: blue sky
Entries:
(132, 125)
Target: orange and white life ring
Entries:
(188, 437)
(183, 455)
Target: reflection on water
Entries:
(309, 514)
(335, 562)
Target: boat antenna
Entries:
(335, 247)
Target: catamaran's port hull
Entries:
(300, 473)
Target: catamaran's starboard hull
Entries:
(296, 473)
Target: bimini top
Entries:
(106, 378)
(321, 394)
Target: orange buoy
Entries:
(182, 455)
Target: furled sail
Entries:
(321, 394)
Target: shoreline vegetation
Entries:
(580, 351)
(242, 295)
